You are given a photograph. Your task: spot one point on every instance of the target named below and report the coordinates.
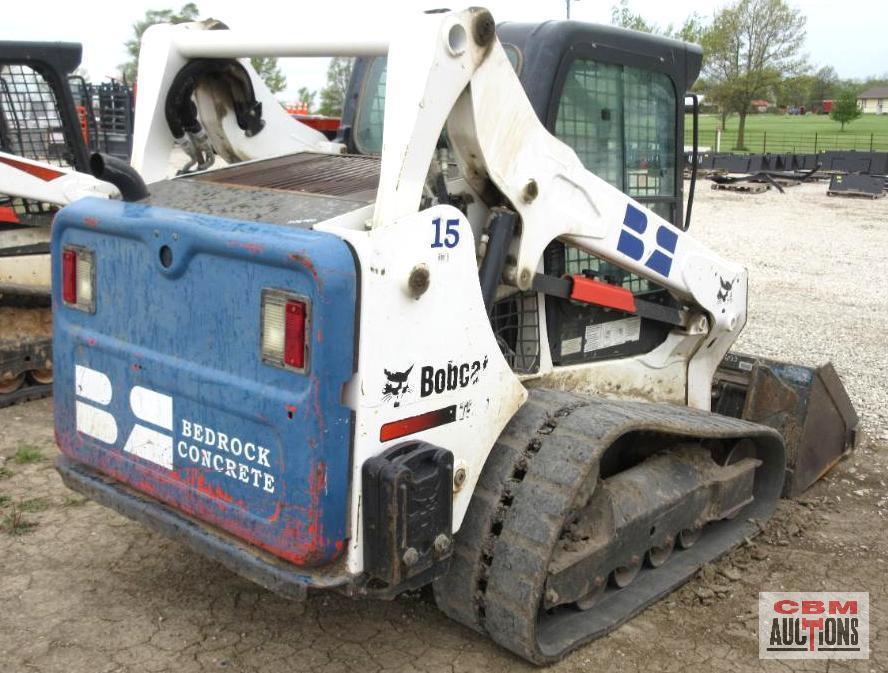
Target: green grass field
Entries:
(794, 133)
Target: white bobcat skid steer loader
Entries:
(483, 360)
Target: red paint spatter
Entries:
(299, 541)
(278, 508)
(306, 263)
(91, 221)
(319, 335)
(305, 535)
(91, 341)
(195, 478)
(317, 484)
(292, 408)
(138, 481)
(147, 486)
(318, 408)
(252, 248)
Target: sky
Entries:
(848, 35)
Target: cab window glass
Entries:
(371, 110)
(620, 121)
(371, 107)
(590, 118)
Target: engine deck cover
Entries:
(296, 190)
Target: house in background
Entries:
(760, 105)
(874, 101)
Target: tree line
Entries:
(752, 49)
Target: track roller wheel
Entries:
(590, 600)
(688, 537)
(11, 385)
(623, 576)
(657, 556)
(41, 377)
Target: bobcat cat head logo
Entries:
(726, 290)
(396, 385)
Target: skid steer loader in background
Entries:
(477, 350)
(44, 165)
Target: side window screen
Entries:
(30, 121)
(31, 126)
(371, 110)
(590, 118)
(650, 136)
(621, 123)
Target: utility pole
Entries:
(567, 4)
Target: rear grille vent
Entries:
(344, 175)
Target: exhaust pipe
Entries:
(120, 174)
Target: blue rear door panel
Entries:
(163, 387)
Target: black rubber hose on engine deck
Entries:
(120, 174)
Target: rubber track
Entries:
(524, 496)
(29, 391)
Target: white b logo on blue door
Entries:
(146, 405)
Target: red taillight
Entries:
(78, 278)
(69, 276)
(294, 335)
(285, 326)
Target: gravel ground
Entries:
(816, 292)
(83, 590)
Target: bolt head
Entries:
(459, 478)
(524, 279)
(411, 556)
(530, 192)
(442, 543)
(484, 28)
(419, 281)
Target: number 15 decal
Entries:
(451, 234)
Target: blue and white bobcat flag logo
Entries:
(149, 443)
(636, 222)
(152, 435)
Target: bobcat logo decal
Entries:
(726, 291)
(396, 385)
(659, 260)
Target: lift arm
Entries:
(453, 69)
(449, 70)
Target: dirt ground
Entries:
(83, 590)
